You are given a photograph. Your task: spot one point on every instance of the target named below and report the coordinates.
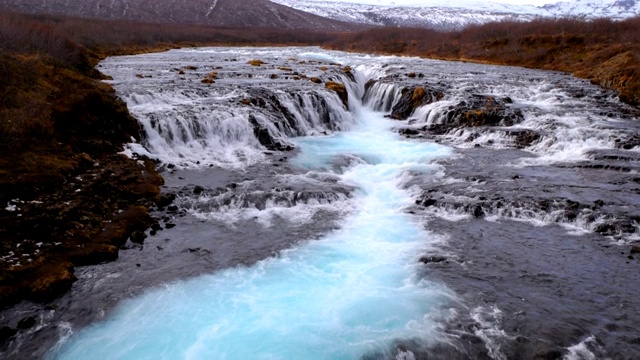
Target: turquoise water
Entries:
(352, 293)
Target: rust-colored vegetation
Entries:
(604, 51)
(61, 178)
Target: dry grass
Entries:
(604, 51)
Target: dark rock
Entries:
(93, 254)
(6, 333)
(339, 89)
(165, 200)
(56, 280)
(265, 138)
(27, 322)
(169, 225)
(369, 84)
(413, 97)
(635, 249)
(480, 110)
(432, 259)
(409, 132)
(478, 212)
(172, 208)
(198, 190)
(138, 237)
(428, 202)
(524, 137)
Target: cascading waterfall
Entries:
(355, 292)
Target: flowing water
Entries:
(306, 226)
(353, 292)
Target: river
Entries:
(428, 209)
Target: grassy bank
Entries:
(604, 51)
(66, 197)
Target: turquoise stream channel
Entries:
(351, 294)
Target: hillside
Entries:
(221, 13)
(455, 14)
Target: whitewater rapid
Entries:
(354, 292)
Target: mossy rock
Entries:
(339, 89)
(412, 98)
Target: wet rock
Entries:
(6, 333)
(339, 89)
(169, 225)
(255, 62)
(27, 323)
(138, 237)
(523, 137)
(266, 139)
(481, 110)
(134, 218)
(427, 202)
(197, 190)
(432, 259)
(55, 280)
(165, 200)
(478, 211)
(92, 254)
(410, 132)
(413, 97)
(172, 208)
(369, 84)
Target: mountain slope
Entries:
(453, 14)
(228, 13)
(436, 15)
(614, 9)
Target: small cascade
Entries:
(194, 117)
(356, 292)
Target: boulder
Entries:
(412, 98)
(482, 110)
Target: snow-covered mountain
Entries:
(615, 9)
(455, 14)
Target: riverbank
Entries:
(603, 51)
(68, 198)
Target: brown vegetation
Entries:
(604, 51)
(61, 179)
